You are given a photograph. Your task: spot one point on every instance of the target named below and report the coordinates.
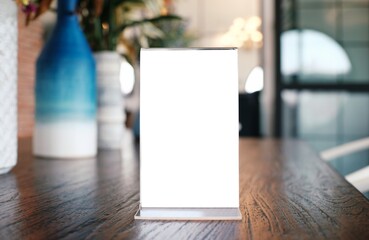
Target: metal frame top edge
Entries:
(190, 48)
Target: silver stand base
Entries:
(188, 214)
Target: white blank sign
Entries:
(189, 128)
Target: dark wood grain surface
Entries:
(286, 192)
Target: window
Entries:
(323, 74)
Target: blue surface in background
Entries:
(65, 72)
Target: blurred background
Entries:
(303, 65)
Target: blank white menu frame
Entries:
(189, 134)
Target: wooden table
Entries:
(286, 192)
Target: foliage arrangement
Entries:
(166, 31)
(105, 28)
(107, 24)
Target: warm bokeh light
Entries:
(244, 33)
(127, 77)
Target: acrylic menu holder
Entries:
(189, 134)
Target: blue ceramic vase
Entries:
(66, 91)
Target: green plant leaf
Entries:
(119, 2)
(121, 28)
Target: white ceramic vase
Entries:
(8, 85)
(110, 113)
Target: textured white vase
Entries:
(110, 113)
(8, 85)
